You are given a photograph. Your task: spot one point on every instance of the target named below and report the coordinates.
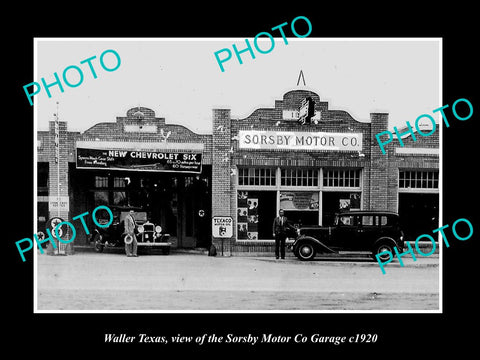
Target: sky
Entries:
(180, 79)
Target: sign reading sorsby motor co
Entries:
(299, 140)
(138, 160)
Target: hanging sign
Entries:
(137, 160)
(299, 140)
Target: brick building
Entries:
(298, 155)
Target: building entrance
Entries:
(179, 203)
(418, 214)
(194, 215)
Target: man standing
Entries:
(280, 232)
(129, 222)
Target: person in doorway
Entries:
(280, 233)
(130, 249)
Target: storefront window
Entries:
(101, 181)
(341, 178)
(337, 201)
(256, 176)
(255, 214)
(305, 199)
(300, 207)
(299, 177)
(418, 179)
(42, 178)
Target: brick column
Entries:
(221, 162)
(378, 165)
(58, 179)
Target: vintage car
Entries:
(363, 231)
(147, 233)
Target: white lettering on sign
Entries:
(222, 226)
(295, 115)
(296, 140)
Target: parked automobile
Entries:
(147, 233)
(372, 231)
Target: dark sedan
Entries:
(372, 231)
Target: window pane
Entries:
(119, 198)
(367, 220)
(299, 177)
(418, 179)
(118, 182)
(101, 181)
(100, 198)
(342, 178)
(256, 176)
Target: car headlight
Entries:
(158, 228)
(140, 228)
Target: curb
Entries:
(424, 246)
(121, 250)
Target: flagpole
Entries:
(57, 160)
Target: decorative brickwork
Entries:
(378, 172)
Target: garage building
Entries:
(297, 155)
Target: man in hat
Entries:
(129, 222)
(280, 233)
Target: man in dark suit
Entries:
(280, 233)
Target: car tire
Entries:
(97, 243)
(381, 248)
(305, 251)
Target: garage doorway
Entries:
(418, 214)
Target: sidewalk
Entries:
(424, 246)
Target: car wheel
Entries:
(306, 251)
(97, 238)
(383, 248)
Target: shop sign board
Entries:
(139, 160)
(299, 200)
(58, 203)
(222, 226)
(299, 140)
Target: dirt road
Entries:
(90, 281)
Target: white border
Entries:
(35, 289)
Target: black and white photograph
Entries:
(146, 166)
(333, 151)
